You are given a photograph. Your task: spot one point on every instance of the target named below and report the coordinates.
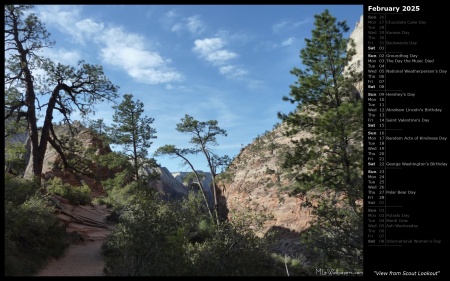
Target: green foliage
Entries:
(13, 124)
(121, 187)
(202, 132)
(116, 162)
(336, 237)
(32, 233)
(157, 238)
(330, 161)
(98, 126)
(143, 242)
(15, 151)
(122, 190)
(18, 190)
(79, 195)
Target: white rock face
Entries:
(358, 36)
(167, 184)
(22, 138)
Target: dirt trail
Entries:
(83, 257)
(79, 260)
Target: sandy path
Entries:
(81, 259)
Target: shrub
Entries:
(15, 160)
(158, 238)
(18, 190)
(77, 195)
(144, 241)
(32, 232)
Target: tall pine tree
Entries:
(132, 132)
(329, 161)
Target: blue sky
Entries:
(228, 63)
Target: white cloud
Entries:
(208, 45)
(195, 25)
(220, 56)
(89, 26)
(288, 41)
(126, 50)
(239, 37)
(168, 19)
(287, 24)
(177, 27)
(64, 18)
(170, 14)
(211, 49)
(232, 71)
(62, 56)
(174, 87)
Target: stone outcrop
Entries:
(88, 221)
(357, 62)
(358, 38)
(87, 142)
(20, 139)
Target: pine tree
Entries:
(133, 132)
(329, 161)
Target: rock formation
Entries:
(167, 184)
(258, 183)
(86, 141)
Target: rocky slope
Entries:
(256, 181)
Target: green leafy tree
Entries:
(133, 132)
(329, 161)
(68, 88)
